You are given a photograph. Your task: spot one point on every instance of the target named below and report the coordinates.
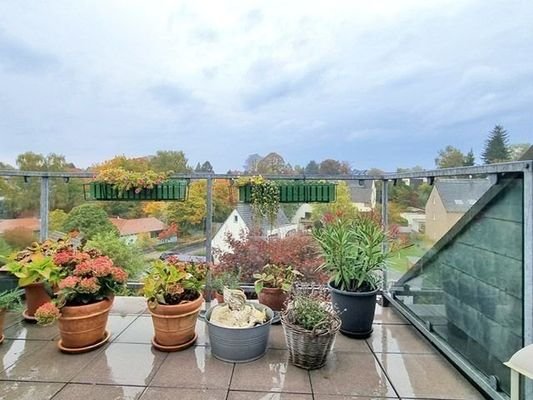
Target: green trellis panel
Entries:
(300, 192)
(171, 190)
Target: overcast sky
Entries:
(376, 83)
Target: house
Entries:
(32, 224)
(363, 194)
(241, 221)
(302, 217)
(448, 201)
(416, 221)
(131, 229)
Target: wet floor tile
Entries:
(153, 393)
(48, 364)
(28, 390)
(276, 338)
(398, 339)
(426, 376)
(140, 331)
(116, 324)
(194, 368)
(12, 351)
(267, 396)
(99, 392)
(128, 305)
(31, 331)
(341, 397)
(123, 364)
(271, 373)
(388, 315)
(203, 336)
(354, 374)
(11, 318)
(345, 343)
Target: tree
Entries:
(206, 167)
(334, 167)
(342, 207)
(198, 167)
(57, 219)
(273, 164)
(19, 238)
(190, 213)
(470, 160)
(312, 168)
(518, 149)
(250, 165)
(450, 157)
(497, 146)
(169, 160)
(90, 220)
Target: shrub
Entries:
(89, 219)
(19, 238)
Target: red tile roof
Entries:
(137, 225)
(28, 223)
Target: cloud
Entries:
(18, 57)
(170, 94)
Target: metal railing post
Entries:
(208, 233)
(528, 267)
(385, 223)
(44, 207)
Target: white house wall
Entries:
(235, 227)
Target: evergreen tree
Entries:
(198, 168)
(469, 159)
(497, 146)
(450, 157)
(206, 167)
(311, 168)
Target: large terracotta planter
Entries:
(36, 296)
(175, 325)
(273, 298)
(2, 316)
(82, 328)
(219, 297)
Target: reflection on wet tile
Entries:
(48, 364)
(268, 396)
(117, 323)
(140, 331)
(99, 392)
(153, 393)
(388, 315)
(128, 305)
(271, 373)
(276, 339)
(123, 364)
(193, 368)
(31, 331)
(28, 391)
(354, 374)
(13, 350)
(203, 336)
(398, 339)
(345, 343)
(11, 318)
(341, 397)
(426, 376)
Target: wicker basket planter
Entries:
(172, 190)
(299, 192)
(309, 349)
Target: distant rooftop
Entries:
(137, 225)
(458, 195)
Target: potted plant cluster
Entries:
(83, 299)
(225, 279)
(9, 300)
(37, 273)
(354, 257)
(310, 324)
(118, 183)
(173, 290)
(273, 284)
(238, 330)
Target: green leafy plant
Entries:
(230, 280)
(10, 299)
(264, 197)
(276, 276)
(124, 180)
(172, 281)
(311, 312)
(353, 253)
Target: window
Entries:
(235, 218)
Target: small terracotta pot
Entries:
(36, 296)
(219, 297)
(273, 298)
(83, 326)
(174, 325)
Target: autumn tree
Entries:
(169, 160)
(450, 157)
(497, 146)
(273, 164)
(334, 167)
(251, 162)
(343, 206)
(188, 214)
(57, 219)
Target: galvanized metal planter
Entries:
(239, 345)
(299, 192)
(171, 190)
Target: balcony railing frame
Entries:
(524, 167)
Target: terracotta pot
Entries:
(83, 326)
(219, 297)
(36, 296)
(273, 298)
(174, 325)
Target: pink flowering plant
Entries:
(88, 277)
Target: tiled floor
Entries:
(396, 362)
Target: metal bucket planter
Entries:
(239, 345)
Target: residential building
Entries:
(363, 194)
(131, 229)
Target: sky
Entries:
(376, 83)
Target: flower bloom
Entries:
(175, 289)
(47, 314)
(101, 266)
(69, 282)
(88, 285)
(83, 269)
(62, 258)
(119, 275)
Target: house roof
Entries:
(360, 191)
(137, 225)
(28, 223)
(458, 195)
(528, 155)
(246, 213)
